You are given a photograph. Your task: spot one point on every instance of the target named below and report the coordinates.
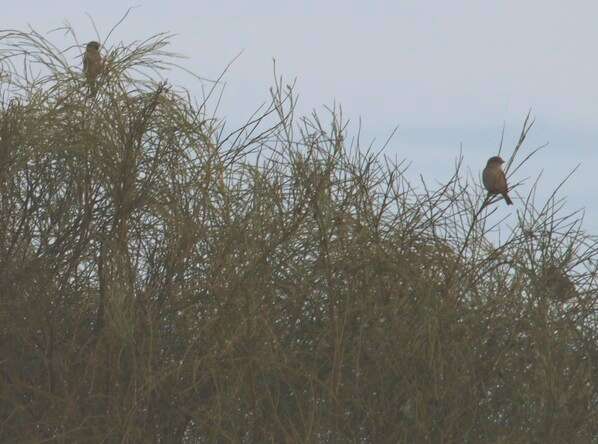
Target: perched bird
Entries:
(494, 178)
(93, 64)
(557, 283)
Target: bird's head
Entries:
(93, 45)
(495, 160)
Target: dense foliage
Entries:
(165, 280)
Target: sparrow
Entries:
(557, 283)
(494, 178)
(93, 64)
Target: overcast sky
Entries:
(447, 73)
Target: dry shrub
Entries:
(164, 280)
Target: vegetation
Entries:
(165, 280)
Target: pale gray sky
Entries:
(445, 72)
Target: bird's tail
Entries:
(507, 199)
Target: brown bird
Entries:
(557, 283)
(494, 178)
(93, 64)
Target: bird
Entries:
(494, 178)
(93, 64)
(557, 283)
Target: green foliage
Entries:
(164, 281)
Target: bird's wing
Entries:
(492, 179)
(502, 180)
(85, 62)
(486, 178)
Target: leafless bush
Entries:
(164, 280)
